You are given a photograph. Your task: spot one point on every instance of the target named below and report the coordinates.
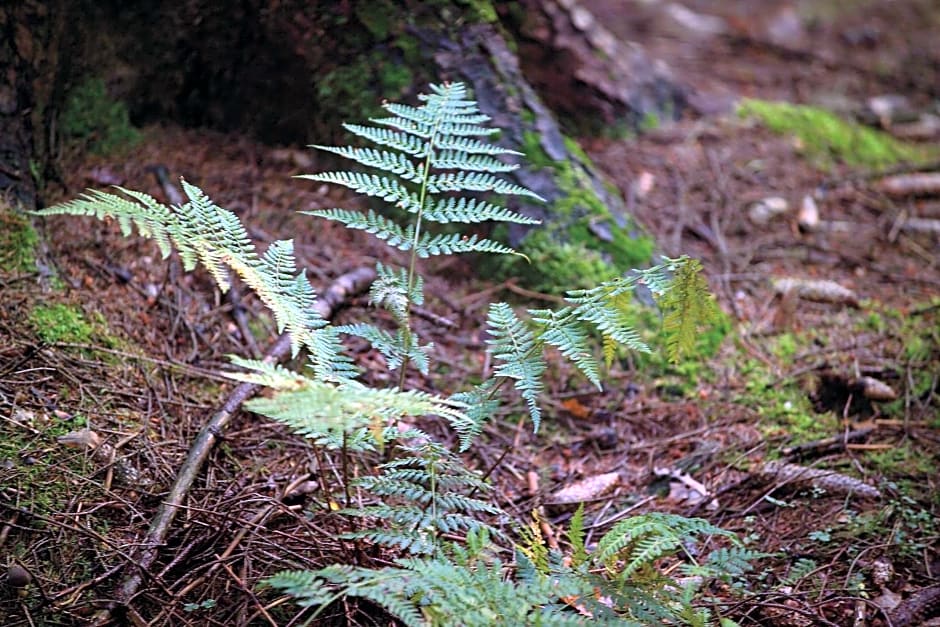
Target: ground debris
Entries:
(828, 480)
(819, 290)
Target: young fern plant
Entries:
(428, 163)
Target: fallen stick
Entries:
(341, 289)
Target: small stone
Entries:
(808, 216)
(581, 18)
(763, 211)
(18, 577)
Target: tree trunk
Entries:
(292, 71)
(28, 60)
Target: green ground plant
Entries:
(60, 323)
(825, 137)
(95, 120)
(428, 164)
(18, 241)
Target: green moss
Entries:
(92, 118)
(569, 253)
(556, 266)
(18, 242)
(481, 10)
(825, 137)
(60, 323)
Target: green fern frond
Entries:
(385, 587)
(404, 142)
(725, 563)
(422, 496)
(204, 233)
(514, 345)
(576, 537)
(470, 146)
(564, 331)
(395, 348)
(612, 323)
(475, 182)
(312, 407)
(687, 304)
(371, 223)
(457, 160)
(391, 291)
(481, 407)
(641, 540)
(452, 243)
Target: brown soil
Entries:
(788, 377)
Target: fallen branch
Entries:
(341, 289)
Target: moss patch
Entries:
(91, 117)
(60, 323)
(18, 242)
(569, 253)
(825, 137)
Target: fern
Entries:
(423, 494)
(467, 585)
(430, 163)
(521, 358)
(312, 407)
(205, 233)
(639, 541)
(687, 305)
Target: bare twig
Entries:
(344, 286)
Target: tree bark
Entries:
(28, 62)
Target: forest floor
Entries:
(110, 337)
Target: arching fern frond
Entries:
(312, 407)
(204, 233)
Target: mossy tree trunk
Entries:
(290, 72)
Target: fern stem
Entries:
(422, 199)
